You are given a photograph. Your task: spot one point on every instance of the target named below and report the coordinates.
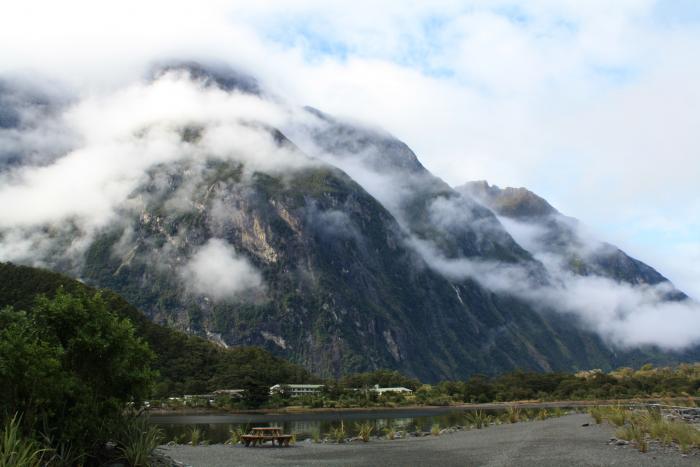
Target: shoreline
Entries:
(572, 440)
(298, 410)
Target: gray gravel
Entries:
(553, 442)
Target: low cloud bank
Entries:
(121, 150)
(625, 315)
(219, 273)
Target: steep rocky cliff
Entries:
(327, 243)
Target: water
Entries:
(216, 428)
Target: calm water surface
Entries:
(216, 428)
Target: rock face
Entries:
(336, 261)
(564, 237)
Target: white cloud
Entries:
(590, 104)
(625, 315)
(219, 273)
(122, 134)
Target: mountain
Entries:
(326, 242)
(564, 237)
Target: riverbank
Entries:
(533, 404)
(571, 440)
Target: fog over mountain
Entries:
(220, 207)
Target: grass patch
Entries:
(338, 434)
(364, 430)
(17, 450)
(479, 419)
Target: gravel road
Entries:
(553, 442)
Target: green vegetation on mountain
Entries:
(377, 265)
(184, 364)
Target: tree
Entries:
(256, 393)
(70, 366)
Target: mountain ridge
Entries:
(329, 243)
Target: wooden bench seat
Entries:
(255, 440)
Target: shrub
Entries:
(435, 429)
(138, 440)
(597, 414)
(513, 414)
(364, 430)
(195, 436)
(390, 432)
(234, 435)
(70, 366)
(479, 419)
(617, 416)
(316, 435)
(338, 433)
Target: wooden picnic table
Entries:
(259, 435)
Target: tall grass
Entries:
(338, 433)
(543, 414)
(513, 414)
(17, 450)
(617, 416)
(138, 441)
(633, 432)
(235, 435)
(196, 436)
(364, 430)
(435, 429)
(597, 413)
(479, 419)
(640, 424)
(390, 432)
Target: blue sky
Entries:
(591, 104)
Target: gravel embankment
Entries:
(553, 442)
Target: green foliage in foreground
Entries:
(70, 369)
(184, 364)
(639, 426)
(17, 450)
(70, 366)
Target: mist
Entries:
(84, 125)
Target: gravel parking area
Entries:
(552, 442)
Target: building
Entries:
(296, 390)
(400, 389)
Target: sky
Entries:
(593, 105)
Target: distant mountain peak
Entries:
(211, 74)
(382, 151)
(510, 202)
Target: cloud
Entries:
(127, 132)
(119, 138)
(625, 315)
(218, 272)
(591, 104)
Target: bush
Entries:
(479, 419)
(597, 414)
(71, 366)
(513, 414)
(338, 433)
(138, 440)
(364, 430)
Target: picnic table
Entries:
(259, 435)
